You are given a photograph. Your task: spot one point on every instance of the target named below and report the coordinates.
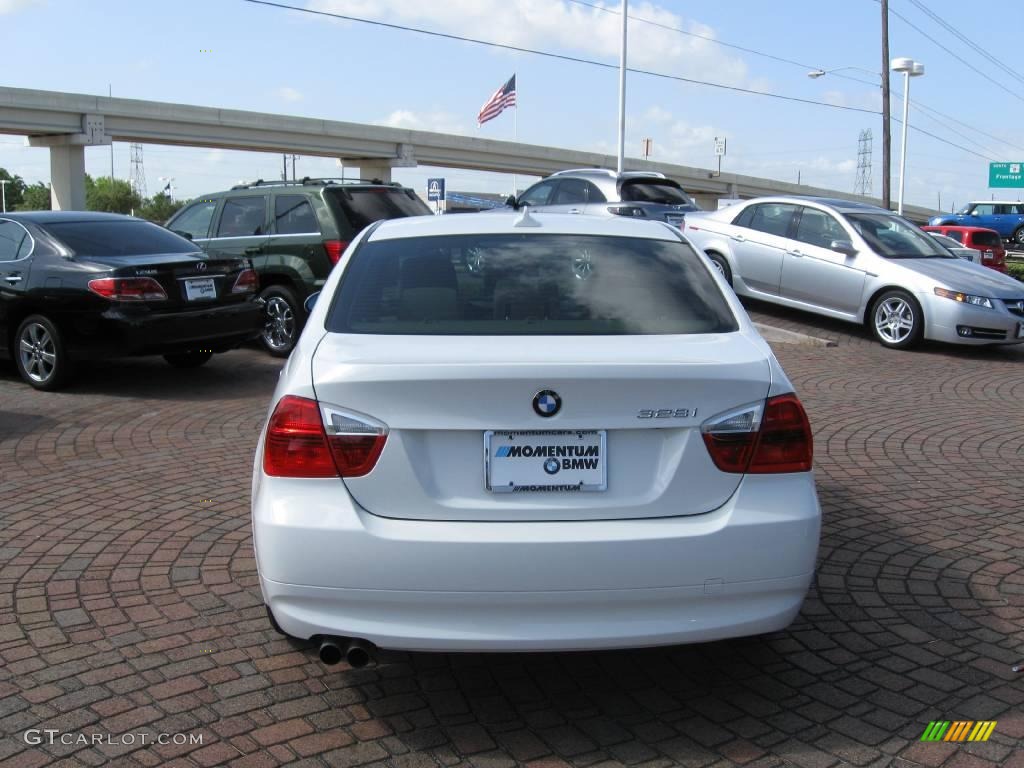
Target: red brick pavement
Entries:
(129, 602)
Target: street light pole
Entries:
(3, 191)
(909, 68)
(886, 115)
(622, 91)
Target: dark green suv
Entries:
(294, 232)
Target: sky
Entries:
(240, 55)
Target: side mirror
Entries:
(186, 235)
(844, 247)
(310, 302)
(511, 201)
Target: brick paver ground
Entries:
(129, 602)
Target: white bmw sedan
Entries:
(526, 433)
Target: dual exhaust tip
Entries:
(357, 653)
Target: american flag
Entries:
(503, 97)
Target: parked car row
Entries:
(1003, 217)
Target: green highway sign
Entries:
(1006, 175)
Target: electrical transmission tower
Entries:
(137, 177)
(863, 184)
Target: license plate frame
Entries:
(505, 472)
(200, 289)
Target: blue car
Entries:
(1006, 218)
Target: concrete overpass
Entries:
(69, 122)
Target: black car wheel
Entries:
(1018, 236)
(192, 359)
(283, 323)
(40, 354)
(719, 263)
(896, 320)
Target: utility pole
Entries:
(886, 122)
(293, 167)
(110, 94)
(622, 90)
(3, 191)
(284, 162)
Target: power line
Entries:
(595, 63)
(560, 56)
(966, 40)
(962, 60)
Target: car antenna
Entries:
(525, 219)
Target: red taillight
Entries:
(761, 439)
(128, 289)
(246, 282)
(334, 249)
(310, 439)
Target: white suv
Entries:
(531, 432)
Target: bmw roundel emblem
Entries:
(551, 466)
(547, 403)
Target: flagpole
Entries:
(622, 90)
(515, 134)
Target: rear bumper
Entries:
(328, 567)
(124, 332)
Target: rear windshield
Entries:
(364, 205)
(990, 239)
(664, 192)
(125, 237)
(528, 285)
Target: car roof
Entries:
(963, 227)
(997, 202)
(513, 223)
(53, 217)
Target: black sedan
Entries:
(76, 285)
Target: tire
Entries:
(719, 262)
(1018, 236)
(40, 355)
(284, 321)
(896, 320)
(191, 359)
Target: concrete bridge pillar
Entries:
(67, 178)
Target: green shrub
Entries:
(1016, 269)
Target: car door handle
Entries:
(739, 238)
(575, 210)
(12, 279)
(252, 250)
(796, 253)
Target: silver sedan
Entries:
(859, 263)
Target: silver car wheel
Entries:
(718, 265)
(894, 320)
(280, 326)
(38, 352)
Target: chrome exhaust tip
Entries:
(359, 653)
(330, 651)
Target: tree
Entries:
(111, 195)
(14, 191)
(35, 198)
(159, 208)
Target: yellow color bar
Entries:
(982, 730)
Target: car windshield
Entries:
(528, 285)
(118, 237)
(663, 191)
(896, 238)
(966, 209)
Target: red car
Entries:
(988, 241)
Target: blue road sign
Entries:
(435, 189)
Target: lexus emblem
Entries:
(201, 266)
(546, 403)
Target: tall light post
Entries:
(622, 91)
(909, 68)
(3, 191)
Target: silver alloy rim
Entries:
(38, 353)
(280, 325)
(1020, 236)
(718, 265)
(894, 320)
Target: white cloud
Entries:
(559, 25)
(434, 120)
(10, 6)
(285, 93)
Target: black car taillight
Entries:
(246, 282)
(128, 289)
